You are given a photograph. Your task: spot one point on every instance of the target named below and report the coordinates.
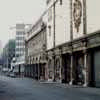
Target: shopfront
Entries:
(97, 68)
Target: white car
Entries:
(5, 69)
(12, 74)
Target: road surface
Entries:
(28, 89)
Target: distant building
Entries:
(20, 43)
(20, 48)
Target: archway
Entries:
(50, 70)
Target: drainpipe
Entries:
(84, 18)
(39, 70)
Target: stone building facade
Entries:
(67, 48)
(73, 42)
(36, 51)
(20, 49)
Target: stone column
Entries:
(71, 70)
(38, 70)
(31, 69)
(53, 68)
(46, 71)
(42, 70)
(27, 69)
(85, 70)
(34, 70)
(60, 68)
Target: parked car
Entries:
(12, 75)
(5, 70)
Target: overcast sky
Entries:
(16, 11)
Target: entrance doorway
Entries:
(50, 70)
(97, 68)
(78, 67)
(66, 68)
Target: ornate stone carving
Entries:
(77, 13)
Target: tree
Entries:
(9, 52)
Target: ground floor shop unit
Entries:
(19, 69)
(36, 71)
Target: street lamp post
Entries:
(71, 38)
(54, 40)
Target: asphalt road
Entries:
(28, 89)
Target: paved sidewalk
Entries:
(62, 85)
(88, 90)
(66, 86)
